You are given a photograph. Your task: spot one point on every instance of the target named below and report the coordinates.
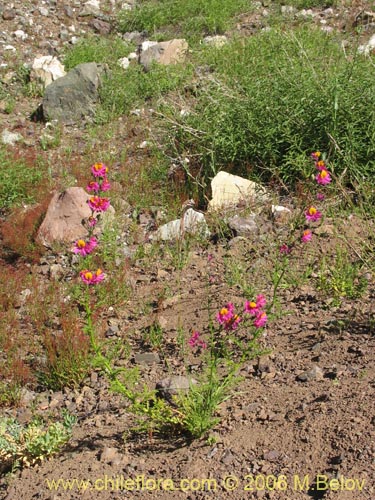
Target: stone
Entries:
(147, 358)
(10, 138)
(43, 11)
(46, 69)
(123, 62)
(63, 220)
(90, 8)
(20, 34)
(72, 98)
(367, 48)
(229, 190)
(193, 222)
(111, 456)
(216, 41)
(9, 14)
(315, 373)
(101, 27)
(244, 226)
(170, 52)
(173, 385)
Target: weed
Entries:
(25, 445)
(193, 19)
(154, 335)
(18, 180)
(341, 279)
(260, 115)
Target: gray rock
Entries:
(315, 373)
(90, 8)
(9, 14)
(171, 52)
(101, 27)
(147, 358)
(10, 138)
(193, 222)
(173, 385)
(244, 226)
(72, 97)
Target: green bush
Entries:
(17, 180)
(267, 102)
(96, 49)
(190, 19)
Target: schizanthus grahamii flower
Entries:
(316, 155)
(285, 249)
(85, 247)
(227, 318)
(196, 341)
(91, 277)
(312, 214)
(323, 177)
(93, 186)
(98, 204)
(99, 170)
(252, 307)
(260, 320)
(306, 236)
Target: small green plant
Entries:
(23, 446)
(154, 335)
(193, 19)
(18, 181)
(342, 279)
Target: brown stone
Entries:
(63, 220)
(171, 52)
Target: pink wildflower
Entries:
(320, 196)
(225, 314)
(321, 165)
(260, 320)
(99, 170)
(98, 204)
(306, 236)
(195, 341)
(312, 214)
(233, 323)
(105, 185)
(254, 308)
(85, 248)
(90, 277)
(93, 186)
(92, 221)
(285, 249)
(316, 155)
(323, 177)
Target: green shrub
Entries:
(190, 19)
(96, 49)
(25, 445)
(17, 180)
(267, 102)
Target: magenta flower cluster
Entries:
(196, 341)
(97, 204)
(229, 320)
(312, 214)
(255, 308)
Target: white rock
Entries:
(193, 223)
(278, 209)
(10, 138)
(123, 62)
(10, 47)
(132, 56)
(20, 34)
(368, 47)
(91, 7)
(43, 11)
(147, 44)
(229, 190)
(47, 69)
(215, 41)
